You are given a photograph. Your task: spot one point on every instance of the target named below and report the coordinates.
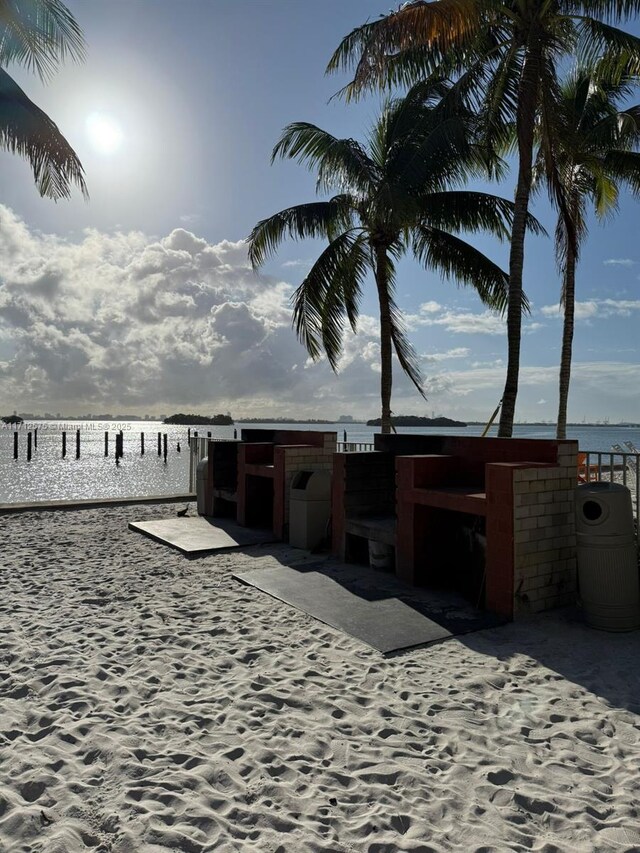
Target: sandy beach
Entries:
(149, 703)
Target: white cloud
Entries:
(456, 352)
(467, 323)
(296, 264)
(619, 262)
(602, 308)
(131, 322)
(430, 307)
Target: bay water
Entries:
(49, 477)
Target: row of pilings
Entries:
(162, 444)
(32, 444)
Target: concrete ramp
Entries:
(198, 535)
(374, 607)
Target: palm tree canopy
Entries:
(591, 149)
(409, 44)
(402, 191)
(38, 34)
(588, 151)
(504, 57)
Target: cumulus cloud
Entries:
(602, 308)
(467, 323)
(456, 352)
(297, 264)
(131, 322)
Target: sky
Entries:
(142, 300)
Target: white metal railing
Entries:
(198, 452)
(354, 446)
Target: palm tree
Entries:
(584, 158)
(400, 193)
(38, 34)
(505, 55)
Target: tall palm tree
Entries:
(400, 193)
(505, 55)
(588, 153)
(38, 34)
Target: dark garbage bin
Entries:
(309, 508)
(607, 556)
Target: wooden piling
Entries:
(15, 444)
(121, 444)
(141, 444)
(208, 435)
(189, 437)
(28, 447)
(77, 444)
(159, 444)
(106, 442)
(164, 446)
(35, 439)
(64, 444)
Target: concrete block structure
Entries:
(510, 500)
(250, 479)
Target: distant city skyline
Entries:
(143, 298)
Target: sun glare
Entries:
(104, 132)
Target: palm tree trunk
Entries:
(385, 337)
(567, 340)
(527, 104)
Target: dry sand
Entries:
(150, 703)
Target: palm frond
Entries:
(625, 166)
(605, 9)
(26, 130)
(371, 49)
(329, 294)
(615, 51)
(317, 219)
(341, 163)
(456, 259)
(38, 34)
(473, 211)
(404, 350)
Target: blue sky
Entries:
(141, 300)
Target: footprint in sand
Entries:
(500, 777)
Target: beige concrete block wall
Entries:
(304, 459)
(544, 534)
(330, 441)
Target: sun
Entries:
(104, 132)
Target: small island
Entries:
(198, 420)
(417, 421)
(13, 419)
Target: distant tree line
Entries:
(416, 420)
(215, 420)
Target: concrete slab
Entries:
(198, 535)
(374, 607)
